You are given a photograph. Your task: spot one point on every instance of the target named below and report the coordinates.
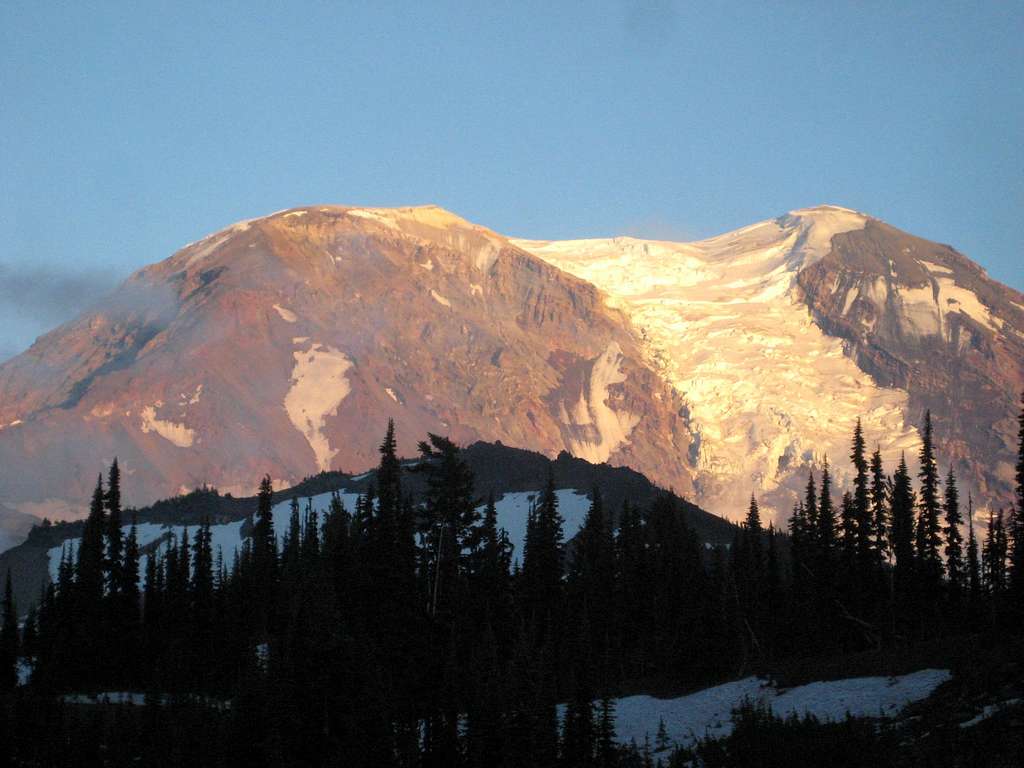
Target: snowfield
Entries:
(768, 392)
(512, 509)
(708, 713)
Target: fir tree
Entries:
(114, 538)
(1017, 528)
(902, 527)
(863, 527)
(879, 509)
(264, 554)
(973, 563)
(754, 531)
(607, 756)
(826, 539)
(954, 539)
(928, 539)
(543, 558)
(451, 519)
(811, 510)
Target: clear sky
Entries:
(129, 129)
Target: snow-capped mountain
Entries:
(723, 367)
(779, 335)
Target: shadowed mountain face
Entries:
(282, 345)
(920, 317)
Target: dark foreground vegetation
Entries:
(402, 635)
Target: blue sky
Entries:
(129, 129)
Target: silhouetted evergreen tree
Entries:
(863, 527)
(954, 540)
(451, 517)
(543, 560)
(1016, 574)
(902, 513)
(607, 754)
(881, 523)
(973, 560)
(928, 540)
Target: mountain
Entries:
(283, 344)
(718, 368)
(515, 478)
(779, 335)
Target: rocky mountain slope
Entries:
(723, 367)
(282, 345)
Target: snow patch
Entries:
(987, 711)
(608, 429)
(286, 314)
(513, 509)
(178, 434)
(708, 713)
(932, 267)
(391, 393)
(439, 298)
(318, 385)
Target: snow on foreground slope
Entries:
(768, 391)
(227, 538)
(707, 713)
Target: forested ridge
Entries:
(407, 634)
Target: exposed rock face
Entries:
(282, 345)
(923, 318)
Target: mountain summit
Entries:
(282, 345)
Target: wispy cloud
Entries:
(34, 299)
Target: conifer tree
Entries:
(928, 539)
(114, 537)
(862, 510)
(993, 555)
(902, 512)
(607, 757)
(592, 573)
(89, 575)
(826, 517)
(811, 511)
(849, 541)
(129, 588)
(1017, 528)
(954, 539)
(450, 511)
(292, 543)
(543, 558)
(879, 509)
(754, 534)
(264, 553)
(973, 563)
(8, 639)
